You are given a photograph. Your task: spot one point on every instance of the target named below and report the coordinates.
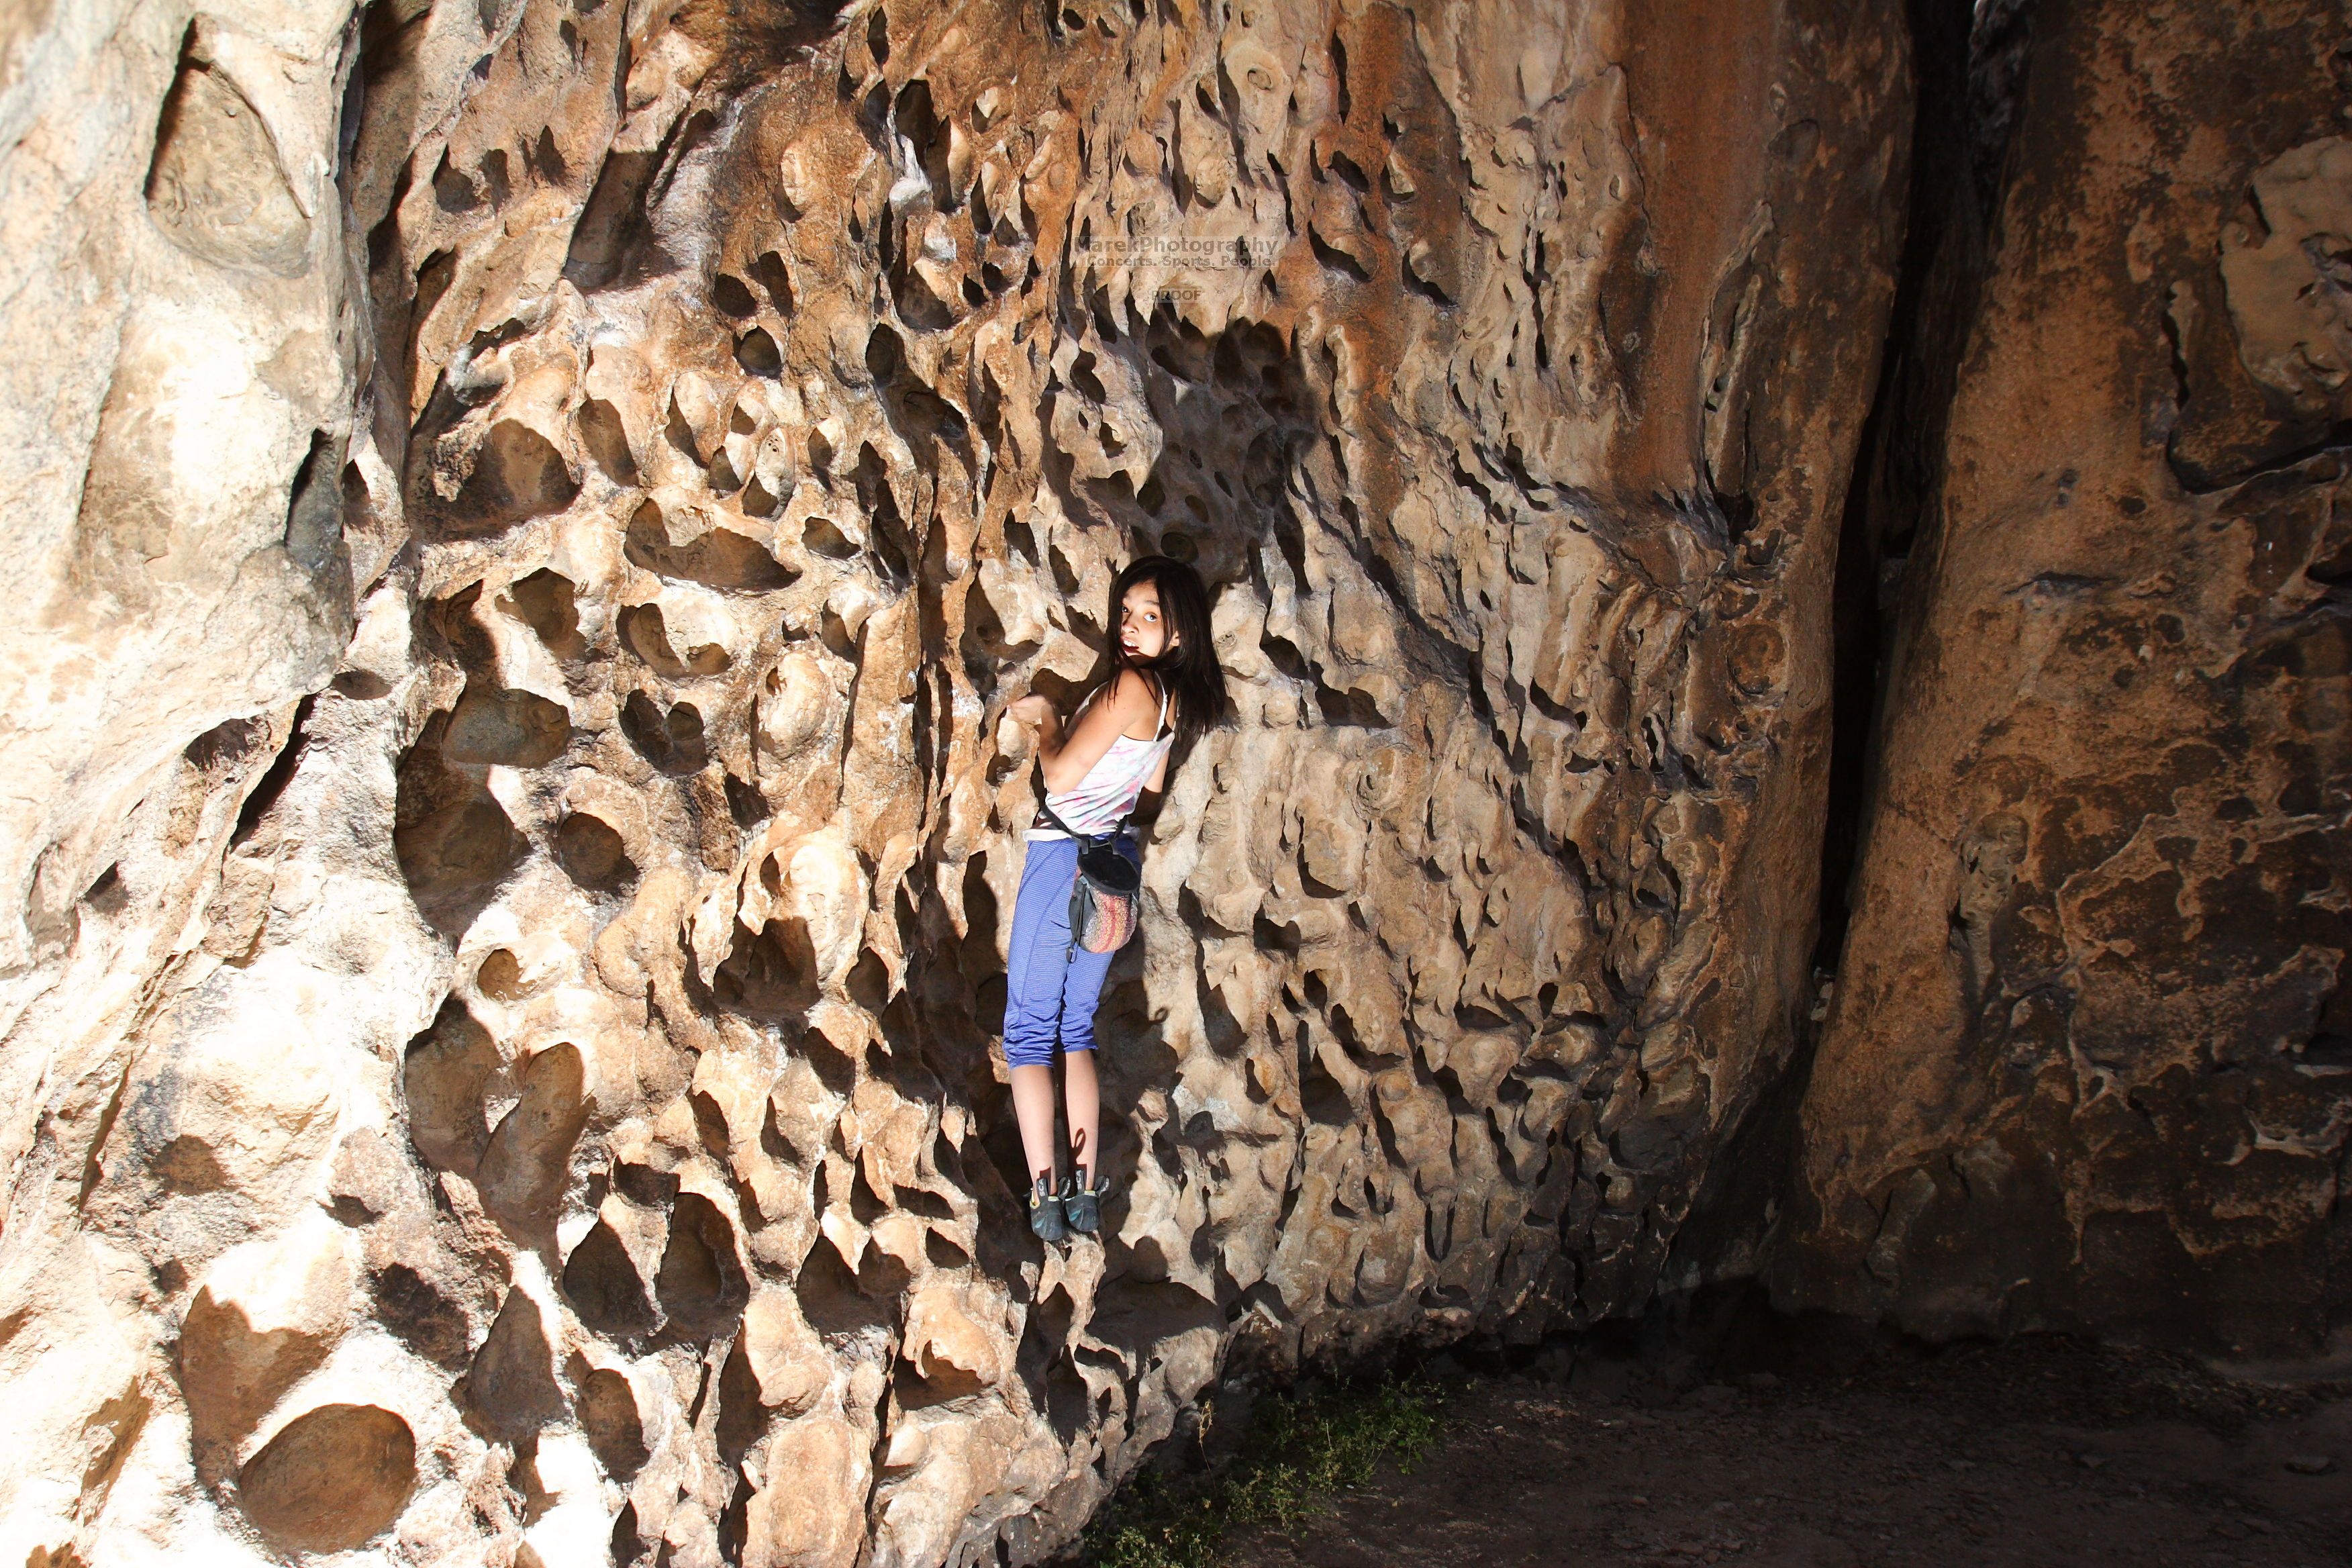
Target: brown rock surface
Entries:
(2085, 1064)
(523, 1093)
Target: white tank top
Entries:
(1098, 802)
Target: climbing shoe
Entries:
(1046, 1211)
(1082, 1205)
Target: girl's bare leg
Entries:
(1085, 1096)
(1032, 1102)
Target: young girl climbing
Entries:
(1166, 688)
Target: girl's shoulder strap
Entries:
(1106, 693)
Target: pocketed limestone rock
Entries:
(333, 1479)
(744, 404)
(266, 1315)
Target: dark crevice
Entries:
(2196, 482)
(1968, 73)
(273, 783)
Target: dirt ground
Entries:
(2037, 1454)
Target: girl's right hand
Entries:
(1032, 710)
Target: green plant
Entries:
(1299, 1450)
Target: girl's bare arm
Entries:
(1065, 757)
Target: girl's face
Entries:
(1142, 634)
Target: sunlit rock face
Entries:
(2086, 1064)
(532, 514)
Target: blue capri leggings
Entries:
(1050, 992)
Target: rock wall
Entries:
(528, 516)
(2085, 1064)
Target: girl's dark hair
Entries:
(1188, 666)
